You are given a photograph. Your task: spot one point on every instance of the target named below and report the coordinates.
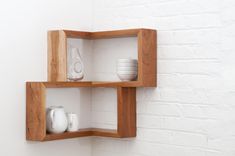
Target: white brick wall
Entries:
(192, 112)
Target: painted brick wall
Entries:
(192, 112)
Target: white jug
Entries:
(56, 119)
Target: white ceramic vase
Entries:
(56, 119)
(75, 64)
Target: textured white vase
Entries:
(75, 65)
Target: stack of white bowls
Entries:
(127, 69)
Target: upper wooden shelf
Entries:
(146, 41)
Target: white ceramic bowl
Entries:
(127, 68)
(127, 72)
(126, 64)
(127, 61)
(127, 77)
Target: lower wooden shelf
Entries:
(82, 133)
(36, 113)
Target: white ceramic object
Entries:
(127, 68)
(127, 72)
(127, 61)
(75, 64)
(56, 119)
(127, 77)
(126, 64)
(72, 122)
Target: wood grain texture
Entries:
(68, 84)
(126, 112)
(35, 111)
(105, 132)
(147, 70)
(83, 133)
(77, 34)
(116, 84)
(68, 135)
(57, 56)
(90, 84)
(115, 33)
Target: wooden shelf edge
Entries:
(68, 135)
(63, 84)
(105, 132)
(102, 34)
(83, 133)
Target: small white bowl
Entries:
(127, 61)
(120, 68)
(127, 72)
(127, 77)
(127, 64)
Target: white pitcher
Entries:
(56, 119)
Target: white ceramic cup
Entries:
(72, 122)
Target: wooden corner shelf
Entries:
(36, 113)
(57, 78)
(146, 40)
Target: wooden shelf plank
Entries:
(68, 135)
(102, 34)
(116, 84)
(68, 84)
(83, 133)
(35, 111)
(105, 132)
(115, 33)
(77, 34)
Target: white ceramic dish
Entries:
(127, 72)
(127, 64)
(120, 68)
(127, 61)
(127, 77)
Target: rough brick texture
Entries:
(192, 112)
